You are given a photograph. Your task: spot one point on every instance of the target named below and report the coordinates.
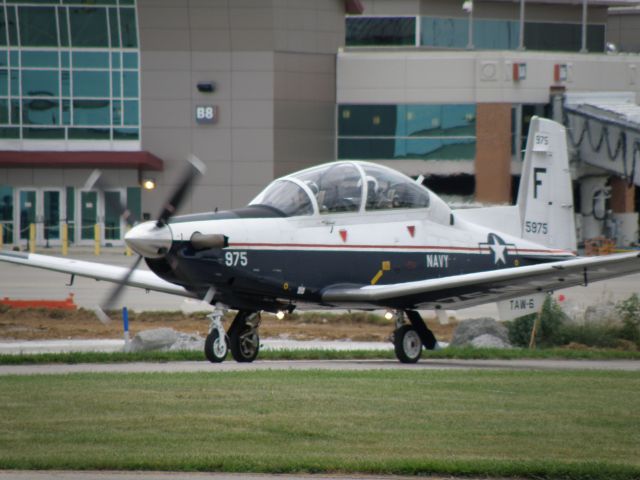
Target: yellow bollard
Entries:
(1, 236)
(96, 238)
(65, 239)
(32, 238)
(127, 251)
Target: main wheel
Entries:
(407, 344)
(245, 343)
(215, 348)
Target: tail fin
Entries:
(545, 197)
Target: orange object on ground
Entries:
(66, 304)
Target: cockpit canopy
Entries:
(343, 187)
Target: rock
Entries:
(156, 339)
(470, 329)
(188, 342)
(489, 341)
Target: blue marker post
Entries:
(125, 321)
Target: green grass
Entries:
(574, 425)
(447, 353)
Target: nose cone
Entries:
(149, 240)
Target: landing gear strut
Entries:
(241, 338)
(409, 338)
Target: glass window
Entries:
(66, 84)
(64, 60)
(388, 189)
(126, 134)
(115, 60)
(40, 83)
(91, 112)
(3, 57)
(88, 134)
(89, 27)
(15, 112)
(4, 83)
(116, 117)
(287, 197)
(42, 111)
(3, 28)
(14, 82)
(38, 27)
(4, 111)
(401, 148)
(90, 60)
(91, 84)
(116, 83)
(114, 28)
(112, 204)
(128, 27)
(43, 133)
(496, 34)
(562, 37)
(13, 26)
(130, 60)
(71, 212)
(130, 84)
(63, 25)
(39, 59)
(380, 31)
(365, 120)
(134, 204)
(131, 112)
(444, 32)
(66, 112)
(9, 132)
(6, 213)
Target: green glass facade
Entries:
(69, 70)
(408, 131)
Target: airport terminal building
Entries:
(260, 88)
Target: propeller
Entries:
(194, 169)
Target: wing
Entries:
(467, 290)
(98, 271)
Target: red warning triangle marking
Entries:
(412, 230)
(343, 234)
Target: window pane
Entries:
(40, 83)
(3, 28)
(114, 27)
(90, 84)
(63, 26)
(91, 112)
(4, 111)
(134, 204)
(130, 83)
(66, 85)
(42, 111)
(9, 132)
(4, 83)
(366, 120)
(496, 34)
(115, 60)
(90, 60)
(71, 212)
(43, 133)
(15, 112)
(126, 134)
(117, 113)
(38, 27)
(40, 59)
(130, 112)
(403, 148)
(130, 60)
(381, 31)
(112, 215)
(66, 112)
(88, 214)
(4, 59)
(115, 84)
(88, 134)
(14, 84)
(64, 60)
(128, 27)
(13, 26)
(89, 27)
(6, 213)
(444, 32)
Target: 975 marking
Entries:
(233, 259)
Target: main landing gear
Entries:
(241, 338)
(409, 338)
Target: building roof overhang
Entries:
(591, 3)
(139, 160)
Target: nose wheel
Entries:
(407, 344)
(242, 337)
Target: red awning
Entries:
(133, 160)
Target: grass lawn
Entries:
(496, 423)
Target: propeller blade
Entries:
(115, 203)
(111, 300)
(196, 168)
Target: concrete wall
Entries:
(273, 64)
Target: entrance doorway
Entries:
(45, 209)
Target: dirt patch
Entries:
(41, 324)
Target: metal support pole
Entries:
(470, 26)
(125, 324)
(127, 251)
(583, 48)
(521, 33)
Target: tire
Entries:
(215, 349)
(407, 344)
(245, 343)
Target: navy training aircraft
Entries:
(358, 235)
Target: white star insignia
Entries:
(498, 250)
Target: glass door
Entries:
(51, 216)
(88, 214)
(27, 213)
(6, 214)
(112, 218)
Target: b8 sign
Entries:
(206, 114)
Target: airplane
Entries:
(359, 235)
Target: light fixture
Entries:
(280, 315)
(388, 315)
(148, 184)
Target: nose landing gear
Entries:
(242, 337)
(409, 338)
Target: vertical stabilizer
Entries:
(545, 198)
